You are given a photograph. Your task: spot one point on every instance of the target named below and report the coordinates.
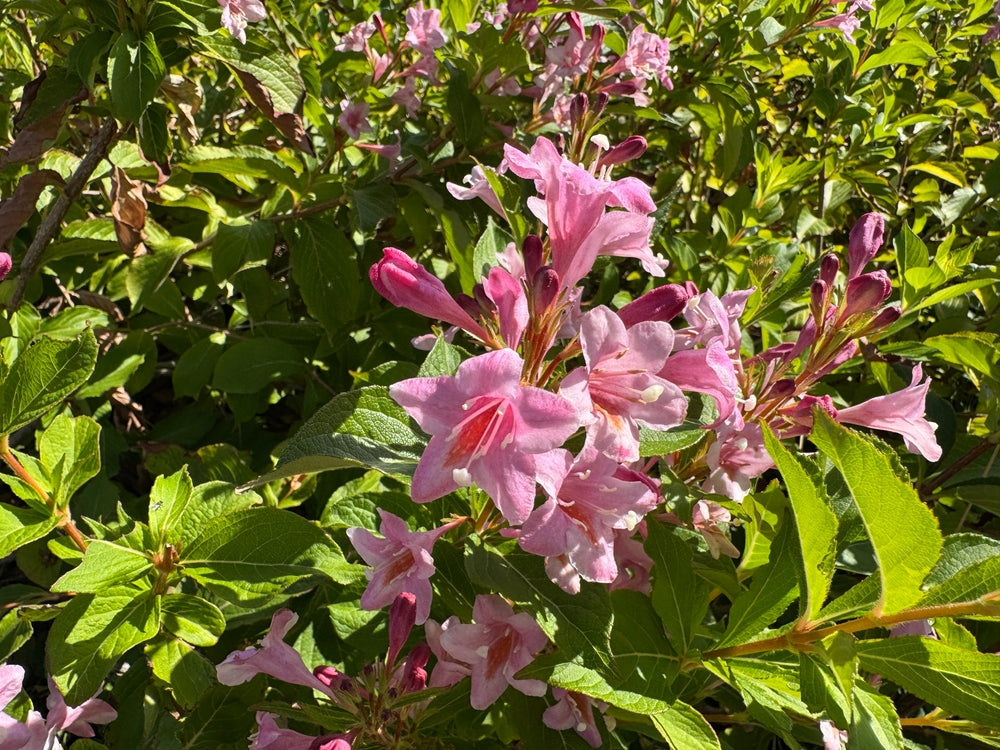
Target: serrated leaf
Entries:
(168, 499)
(579, 624)
(876, 722)
(193, 619)
(325, 267)
(902, 530)
(491, 244)
(259, 57)
(93, 632)
(42, 376)
(15, 631)
(442, 359)
(252, 365)
(961, 682)
(19, 526)
(660, 442)
(815, 523)
(135, 70)
(239, 246)
(362, 428)
(104, 565)
(194, 368)
(68, 449)
(208, 501)
(912, 52)
(187, 673)
(772, 590)
(679, 596)
(685, 728)
(253, 555)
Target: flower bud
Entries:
(545, 288)
(329, 676)
(884, 319)
(828, 268)
(864, 242)
(578, 109)
(522, 6)
(597, 37)
(486, 305)
(402, 616)
(532, 251)
(5, 265)
(331, 742)
(865, 293)
(600, 103)
(414, 676)
(663, 303)
(819, 293)
(623, 88)
(781, 389)
(631, 148)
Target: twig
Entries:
(50, 226)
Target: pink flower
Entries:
(712, 318)
(406, 283)
(833, 738)
(5, 265)
(901, 412)
(356, 40)
(237, 13)
(507, 293)
(735, 458)
(485, 428)
(407, 97)
(706, 517)
(479, 187)
(401, 562)
(424, 29)
(620, 384)
(15, 735)
(865, 293)
(448, 670)
(709, 370)
(275, 658)
(864, 242)
(634, 565)
(354, 118)
(647, 56)
(588, 499)
(846, 23)
(75, 720)
(269, 736)
(573, 711)
(496, 647)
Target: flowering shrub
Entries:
(491, 375)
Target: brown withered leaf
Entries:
(44, 125)
(186, 96)
(16, 210)
(128, 209)
(289, 123)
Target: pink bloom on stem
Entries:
(6, 263)
(274, 657)
(400, 563)
(647, 56)
(620, 384)
(15, 735)
(496, 647)
(407, 97)
(269, 736)
(663, 303)
(833, 738)
(865, 294)
(406, 283)
(706, 517)
(901, 412)
(573, 711)
(588, 499)
(448, 670)
(424, 29)
(508, 295)
(354, 118)
(846, 23)
(75, 719)
(735, 458)
(709, 370)
(485, 428)
(712, 318)
(479, 187)
(864, 242)
(634, 565)
(237, 13)
(356, 40)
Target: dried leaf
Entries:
(16, 210)
(128, 208)
(186, 96)
(289, 123)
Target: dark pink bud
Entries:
(846, 352)
(402, 616)
(782, 389)
(406, 283)
(818, 294)
(522, 6)
(631, 148)
(328, 676)
(600, 103)
(5, 265)
(414, 676)
(884, 319)
(866, 293)
(486, 305)
(622, 88)
(331, 742)
(778, 352)
(692, 288)
(469, 305)
(380, 27)
(545, 288)
(864, 243)
(597, 36)
(533, 252)
(663, 303)
(578, 108)
(828, 268)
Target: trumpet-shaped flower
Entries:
(486, 428)
(5, 265)
(497, 646)
(864, 242)
(620, 386)
(237, 13)
(573, 711)
(400, 562)
(901, 412)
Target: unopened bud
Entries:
(884, 319)
(522, 6)
(622, 88)
(402, 616)
(486, 305)
(380, 27)
(600, 102)
(597, 36)
(6, 263)
(533, 252)
(327, 675)
(818, 293)
(782, 389)
(865, 293)
(578, 109)
(663, 303)
(414, 676)
(545, 288)
(864, 242)
(828, 268)
(468, 305)
(631, 148)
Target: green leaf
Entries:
(93, 632)
(685, 728)
(252, 365)
(68, 449)
(977, 350)
(209, 501)
(815, 523)
(773, 589)
(220, 720)
(253, 555)
(912, 52)
(770, 690)
(259, 57)
(679, 596)
(195, 366)
(492, 243)
(876, 721)
(187, 673)
(239, 246)
(168, 500)
(135, 70)
(362, 428)
(19, 526)
(193, 619)
(43, 376)
(579, 624)
(965, 683)
(324, 265)
(104, 565)
(15, 631)
(443, 359)
(662, 442)
(465, 110)
(902, 530)
(370, 206)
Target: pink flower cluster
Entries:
(36, 732)
(846, 22)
